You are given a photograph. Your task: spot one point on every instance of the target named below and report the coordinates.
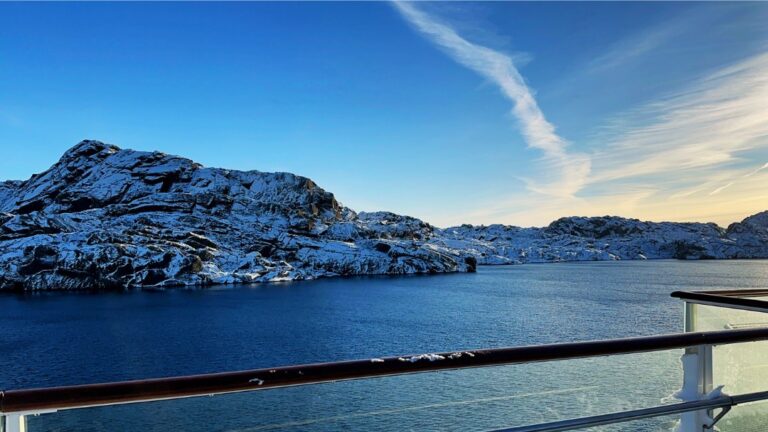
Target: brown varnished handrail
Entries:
(733, 298)
(207, 384)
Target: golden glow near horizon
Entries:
(700, 155)
(745, 197)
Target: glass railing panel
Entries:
(659, 424)
(469, 400)
(746, 418)
(713, 318)
(740, 368)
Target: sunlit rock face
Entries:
(751, 234)
(107, 218)
(609, 238)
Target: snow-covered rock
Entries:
(106, 218)
(609, 238)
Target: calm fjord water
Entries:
(52, 339)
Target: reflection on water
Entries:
(67, 339)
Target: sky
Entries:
(515, 113)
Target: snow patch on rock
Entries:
(608, 238)
(107, 218)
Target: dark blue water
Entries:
(58, 339)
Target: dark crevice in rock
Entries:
(29, 207)
(105, 218)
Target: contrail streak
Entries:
(500, 69)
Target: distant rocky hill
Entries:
(609, 238)
(106, 218)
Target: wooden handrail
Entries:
(740, 299)
(79, 396)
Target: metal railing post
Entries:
(690, 390)
(707, 385)
(689, 317)
(697, 384)
(697, 376)
(13, 423)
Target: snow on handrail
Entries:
(79, 396)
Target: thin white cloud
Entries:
(572, 168)
(720, 189)
(738, 178)
(755, 171)
(685, 193)
(687, 157)
(710, 125)
(693, 147)
(627, 50)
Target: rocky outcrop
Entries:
(609, 238)
(106, 218)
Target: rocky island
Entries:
(609, 238)
(108, 218)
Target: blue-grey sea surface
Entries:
(50, 339)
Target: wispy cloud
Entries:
(694, 148)
(634, 47)
(689, 157)
(685, 193)
(686, 156)
(738, 179)
(755, 171)
(710, 124)
(572, 168)
(721, 188)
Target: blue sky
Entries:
(513, 113)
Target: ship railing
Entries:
(697, 409)
(746, 322)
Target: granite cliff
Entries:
(107, 218)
